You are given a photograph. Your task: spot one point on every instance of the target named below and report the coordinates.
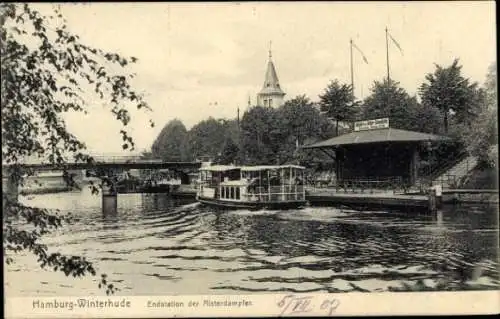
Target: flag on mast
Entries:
(395, 43)
(361, 52)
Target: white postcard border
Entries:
(347, 304)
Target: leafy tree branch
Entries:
(47, 71)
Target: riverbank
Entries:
(486, 178)
(479, 187)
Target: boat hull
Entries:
(251, 205)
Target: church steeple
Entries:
(271, 93)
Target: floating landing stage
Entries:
(383, 199)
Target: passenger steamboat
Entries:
(251, 187)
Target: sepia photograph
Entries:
(198, 159)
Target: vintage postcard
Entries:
(235, 159)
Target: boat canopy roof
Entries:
(223, 168)
(266, 167)
(219, 168)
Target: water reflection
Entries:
(109, 207)
(110, 220)
(439, 219)
(151, 238)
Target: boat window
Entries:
(274, 178)
(237, 193)
(227, 192)
(232, 192)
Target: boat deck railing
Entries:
(286, 192)
(276, 193)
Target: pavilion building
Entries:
(377, 154)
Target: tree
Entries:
(46, 71)
(231, 128)
(170, 144)
(390, 100)
(425, 118)
(448, 91)
(338, 102)
(301, 122)
(229, 154)
(271, 135)
(490, 87)
(482, 135)
(207, 138)
(260, 135)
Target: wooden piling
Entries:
(109, 204)
(109, 199)
(432, 203)
(439, 196)
(12, 188)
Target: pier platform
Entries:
(326, 197)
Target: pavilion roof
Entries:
(377, 136)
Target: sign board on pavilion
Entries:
(371, 124)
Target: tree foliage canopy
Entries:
(491, 87)
(207, 138)
(481, 137)
(388, 99)
(447, 90)
(47, 71)
(271, 135)
(229, 154)
(170, 144)
(260, 135)
(338, 102)
(303, 124)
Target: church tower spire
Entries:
(271, 94)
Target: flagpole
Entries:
(388, 76)
(238, 117)
(239, 136)
(387, 53)
(352, 70)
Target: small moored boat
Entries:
(252, 187)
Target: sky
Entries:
(191, 55)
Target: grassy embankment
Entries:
(486, 178)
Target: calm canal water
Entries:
(158, 246)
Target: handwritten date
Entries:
(293, 304)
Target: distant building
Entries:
(271, 94)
